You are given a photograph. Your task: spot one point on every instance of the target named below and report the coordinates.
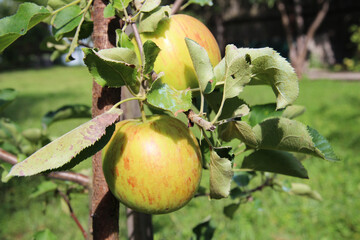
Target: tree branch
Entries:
(138, 41)
(314, 26)
(66, 198)
(176, 6)
(286, 22)
(78, 178)
(194, 118)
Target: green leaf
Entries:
(121, 4)
(75, 40)
(70, 26)
(230, 210)
(231, 105)
(202, 2)
(290, 135)
(44, 235)
(239, 130)
(164, 97)
(151, 51)
(66, 112)
(123, 40)
(15, 26)
(42, 188)
(149, 21)
(113, 67)
(32, 134)
(65, 16)
(109, 11)
(202, 66)
(204, 230)
(276, 162)
(7, 95)
(269, 68)
(259, 113)
(242, 179)
(220, 176)
(237, 193)
(219, 71)
(304, 190)
(322, 144)
(10, 132)
(72, 147)
(66, 21)
(6, 169)
(293, 111)
(56, 4)
(50, 43)
(237, 72)
(57, 47)
(150, 5)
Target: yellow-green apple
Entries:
(153, 166)
(174, 58)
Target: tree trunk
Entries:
(104, 207)
(298, 49)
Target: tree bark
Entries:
(104, 207)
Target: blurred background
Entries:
(321, 39)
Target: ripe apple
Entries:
(174, 58)
(153, 166)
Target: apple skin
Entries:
(174, 58)
(152, 167)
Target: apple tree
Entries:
(193, 117)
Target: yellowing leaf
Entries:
(65, 150)
(220, 176)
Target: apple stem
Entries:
(201, 103)
(126, 100)
(207, 139)
(220, 109)
(143, 115)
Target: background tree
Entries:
(298, 32)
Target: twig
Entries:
(232, 119)
(194, 118)
(66, 198)
(176, 6)
(268, 183)
(138, 41)
(81, 179)
(81, 43)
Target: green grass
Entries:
(332, 109)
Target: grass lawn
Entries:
(332, 108)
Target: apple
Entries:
(154, 166)
(174, 58)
